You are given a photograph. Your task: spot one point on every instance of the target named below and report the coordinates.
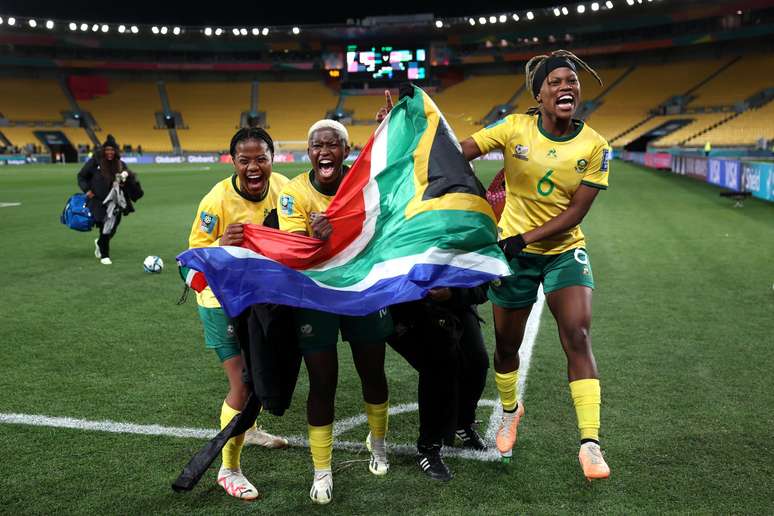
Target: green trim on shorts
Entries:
(319, 331)
(219, 333)
(555, 271)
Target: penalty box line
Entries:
(339, 428)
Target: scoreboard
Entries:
(386, 63)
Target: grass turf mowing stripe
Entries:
(340, 427)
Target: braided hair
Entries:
(251, 133)
(538, 68)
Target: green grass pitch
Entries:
(683, 331)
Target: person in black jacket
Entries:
(440, 336)
(111, 187)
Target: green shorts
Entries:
(319, 331)
(219, 333)
(554, 271)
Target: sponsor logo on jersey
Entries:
(581, 166)
(208, 222)
(520, 152)
(581, 256)
(605, 160)
(306, 330)
(286, 204)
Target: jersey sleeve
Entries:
(207, 226)
(599, 167)
(494, 136)
(291, 211)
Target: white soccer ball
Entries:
(153, 264)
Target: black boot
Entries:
(470, 438)
(431, 463)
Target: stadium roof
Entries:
(270, 13)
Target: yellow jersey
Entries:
(223, 205)
(542, 173)
(297, 201)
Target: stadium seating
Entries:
(292, 107)
(35, 100)
(363, 107)
(32, 100)
(21, 136)
(738, 82)
(700, 122)
(746, 129)
(465, 104)
(127, 113)
(210, 110)
(644, 89)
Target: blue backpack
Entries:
(76, 215)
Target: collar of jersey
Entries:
(553, 138)
(243, 195)
(317, 187)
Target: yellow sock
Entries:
(587, 398)
(377, 419)
(233, 449)
(321, 446)
(507, 386)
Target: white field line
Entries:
(339, 427)
(525, 357)
(9, 204)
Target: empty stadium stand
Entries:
(211, 112)
(128, 113)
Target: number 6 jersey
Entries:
(542, 173)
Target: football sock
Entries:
(587, 398)
(321, 446)
(233, 448)
(377, 419)
(507, 384)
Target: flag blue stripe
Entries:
(239, 283)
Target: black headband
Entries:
(546, 67)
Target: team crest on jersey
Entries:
(581, 166)
(286, 204)
(520, 152)
(306, 330)
(605, 160)
(552, 153)
(208, 222)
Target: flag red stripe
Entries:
(346, 214)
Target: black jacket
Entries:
(445, 315)
(267, 336)
(90, 178)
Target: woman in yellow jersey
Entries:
(301, 208)
(555, 166)
(247, 196)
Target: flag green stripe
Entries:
(446, 229)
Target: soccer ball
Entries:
(153, 264)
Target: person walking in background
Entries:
(111, 188)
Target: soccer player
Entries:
(555, 166)
(301, 208)
(248, 196)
